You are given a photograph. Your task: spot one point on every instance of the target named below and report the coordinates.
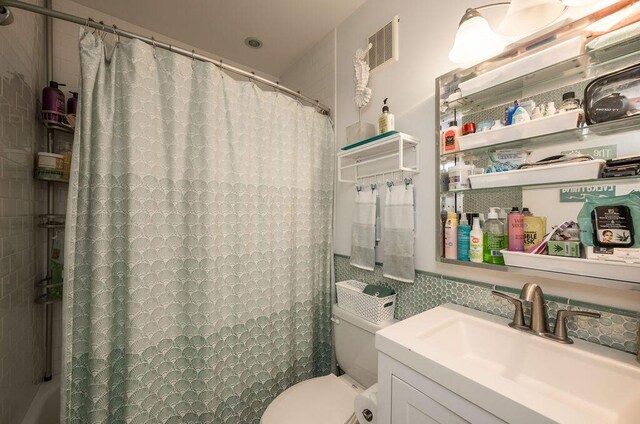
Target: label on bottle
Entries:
(450, 140)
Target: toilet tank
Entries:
(355, 346)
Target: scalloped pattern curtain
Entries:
(197, 281)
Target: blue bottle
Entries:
(464, 231)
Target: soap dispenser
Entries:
(387, 121)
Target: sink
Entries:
(516, 375)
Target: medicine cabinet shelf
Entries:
(584, 67)
(594, 181)
(568, 268)
(587, 133)
(397, 152)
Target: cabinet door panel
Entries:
(410, 406)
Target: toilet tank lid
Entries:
(320, 400)
(358, 321)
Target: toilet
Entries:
(329, 399)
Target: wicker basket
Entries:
(371, 308)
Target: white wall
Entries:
(314, 74)
(427, 29)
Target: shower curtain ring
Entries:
(103, 34)
(153, 43)
(116, 35)
(86, 24)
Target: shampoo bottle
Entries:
(53, 101)
(515, 225)
(493, 238)
(386, 122)
(451, 236)
(464, 231)
(475, 242)
(72, 103)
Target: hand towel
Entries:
(398, 235)
(363, 230)
(378, 291)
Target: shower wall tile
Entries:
(617, 328)
(22, 64)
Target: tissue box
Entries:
(360, 131)
(564, 248)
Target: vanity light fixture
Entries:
(475, 40)
(527, 16)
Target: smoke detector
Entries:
(253, 42)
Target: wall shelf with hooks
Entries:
(397, 152)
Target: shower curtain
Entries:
(197, 281)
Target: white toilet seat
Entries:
(320, 400)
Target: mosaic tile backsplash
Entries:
(617, 328)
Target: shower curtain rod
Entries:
(6, 4)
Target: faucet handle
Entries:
(518, 315)
(560, 331)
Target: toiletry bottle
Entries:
(475, 242)
(520, 115)
(526, 212)
(66, 173)
(53, 101)
(515, 225)
(464, 231)
(503, 216)
(451, 236)
(386, 122)
(569, 102)
(510, 111)
(450, 140)
(551, 109)
(537, 113)
(493, 238)
(72, 103)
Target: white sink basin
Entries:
(516, 376)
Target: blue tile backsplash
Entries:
(617, 328)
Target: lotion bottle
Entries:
(515, 225)
(463, 239)
(451, 236)
(475, 242)
(494, 238)
(386, 122)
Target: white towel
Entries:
(398, 237)
(363, 230)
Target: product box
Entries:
(564, 248)
(616, 254)
(535, 228)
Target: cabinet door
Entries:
(410, 406)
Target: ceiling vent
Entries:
(384, 44)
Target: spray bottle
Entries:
(451, 236)
(475, 241)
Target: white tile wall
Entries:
(314, 74)
(22, 61)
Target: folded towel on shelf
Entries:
(363, 230)
(378, 291)
(398, 235)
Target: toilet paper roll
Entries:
(366, 406)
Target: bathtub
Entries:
(45, 407)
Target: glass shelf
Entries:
(52, 180)
(596, 181)
(586, 133)
(578, 69)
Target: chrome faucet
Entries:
(538, 321)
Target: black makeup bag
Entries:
(613, 96)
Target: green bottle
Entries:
(494, 239)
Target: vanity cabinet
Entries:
(407, 397)
(477, 96)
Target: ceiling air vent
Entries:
(384, 45)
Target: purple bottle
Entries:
(72, 103)
(53, 101)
